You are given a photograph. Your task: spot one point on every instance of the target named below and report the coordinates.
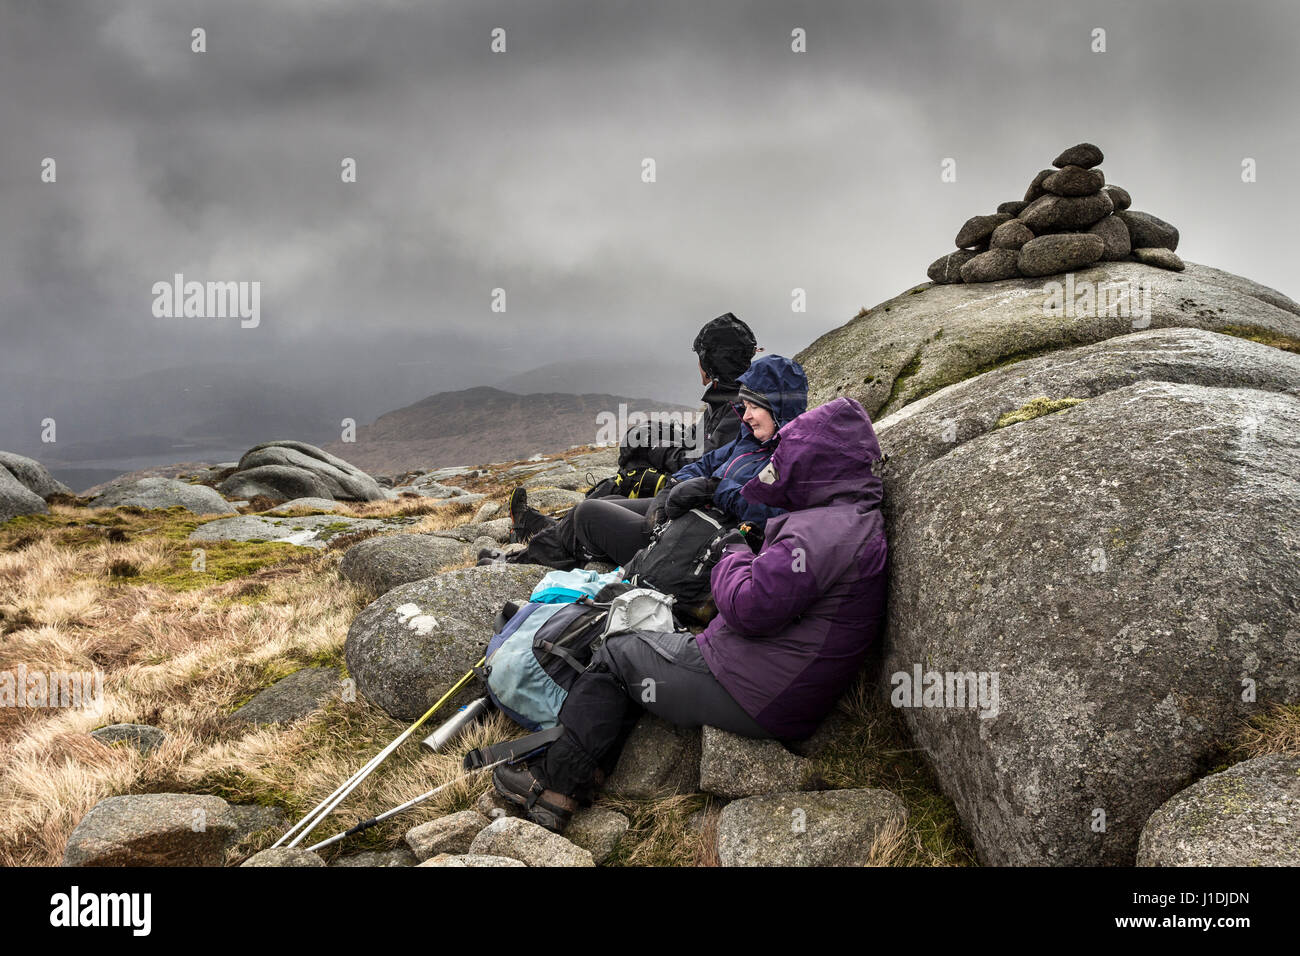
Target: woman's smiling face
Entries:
(759, 420)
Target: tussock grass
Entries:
(872, 750)
(113, 590)
(1275, 731)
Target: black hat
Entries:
(725, 347)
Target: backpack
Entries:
(639, 482)
(538, 653)
(677, 560)
(640, 471)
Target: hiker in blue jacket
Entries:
(773, 391)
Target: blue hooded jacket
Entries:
(783, 383)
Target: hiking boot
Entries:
(491, 556)
(525, 521)
(524, 785)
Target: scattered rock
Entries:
(1066, 213)
(1247, 815)
(400, 856)
(488, 510)
(1084, 155)
(450, 834)
(290, 698)
(142, 737)
(1075, 181)
(284, 856)
(991, 266)
(306, 531)
(1164, 258)
(1012, 208)
(163, 493)
(732, 766)
(1036, 190)
(554, 499)
(978, 229)
(1148, 232)
(1060, 252)
(32, 475)
(382, 563)
(947, 268)
(418, 639)
(1010, 235)
(658, 760)
(829, 828)
(471, 859)
(1119, 195)
(1114, 234)
(152, 829)
(529, 843)
(597, 831)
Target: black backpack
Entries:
(679, 559)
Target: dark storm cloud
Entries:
(476, 171)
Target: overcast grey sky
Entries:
(522, 170)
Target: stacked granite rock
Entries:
(1069, 219)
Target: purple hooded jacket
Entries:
(795, 621)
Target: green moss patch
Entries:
(1263, 336)
(1037, 409)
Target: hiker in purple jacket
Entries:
(794, 622)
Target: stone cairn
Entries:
(1069, 219)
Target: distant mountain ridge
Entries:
(485, 424)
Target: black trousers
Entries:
(658, 671)
(607, 529)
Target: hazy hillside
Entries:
(654, 378)
(482, 424)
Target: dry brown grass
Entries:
(1275, 731)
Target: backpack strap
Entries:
(513, 750)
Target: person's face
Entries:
(760, 421)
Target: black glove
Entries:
(658, 508)
(728, 542)
(692, 493)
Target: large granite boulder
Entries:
(935, 335)
(1247, 815)
(381, 563)
(408, 647)
(163, 493)
(34, 476)
(1103, 539)
(283, 470)
(17, 499)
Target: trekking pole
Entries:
(326, 806)
(367, 824)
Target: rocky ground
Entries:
(1094, 516)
